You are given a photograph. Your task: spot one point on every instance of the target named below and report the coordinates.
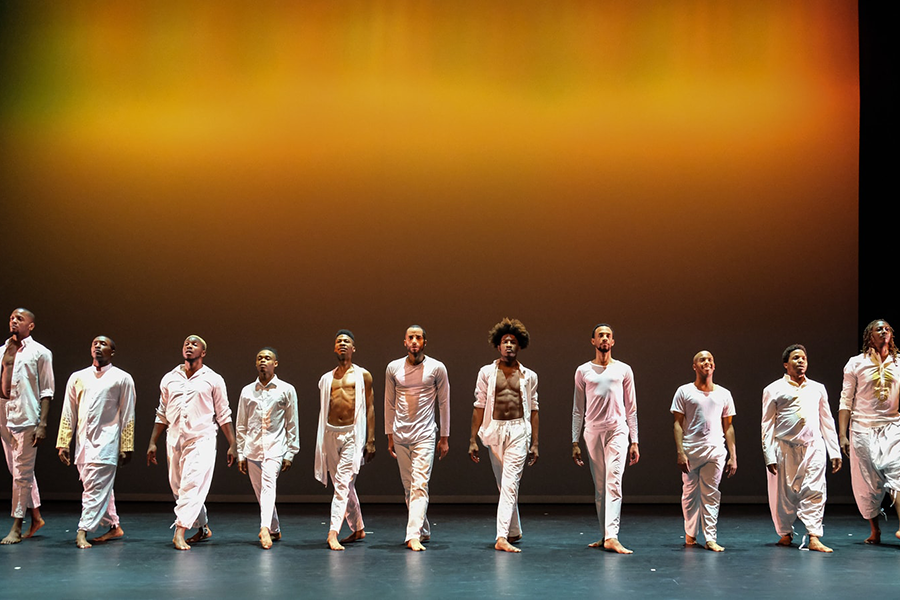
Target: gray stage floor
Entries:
(459, 562)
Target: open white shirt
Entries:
(32, 380)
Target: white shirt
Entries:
(486, 390)
(703, 413)
(798, 414)
(32, 380)
(410, 395)
(604, 399)
(871, 389)
(267, 425)
(192, 407)
(102, 404)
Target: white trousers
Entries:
(798, 489)
(264, 478)
(415, 462)
(98, 504)
(700, 494)
(508, 461)
(874, 465)
(608, 452)
(20, 456)
(190, 474)
(340, 447)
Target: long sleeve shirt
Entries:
(410, 395)
(192, 407)
(703, 412)
(798, 414)
(267, 423)
(871, 389)
(31, 381)
(604, 399)
(486, 390)
(99, 407)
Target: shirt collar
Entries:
(794, 383)
(102, 369)
(273, 383)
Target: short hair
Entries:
(112, 343)
(346, 332)
(786, 355)
(869, 333)
(509, 327)
(424, 333)
(202, 341)
(599, 325)
(27, 312)
(270, 349)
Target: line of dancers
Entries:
(800, 441)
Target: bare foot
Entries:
(81, 539)
(204, 533)
(333, 542)
(114, 533)
(416, 545)
(504, 545)
(785, 540)
(15, 534)
(36, 523)
(714, 547)
(178, 539)
(613, 545)
(265, 539)
(874, 538)
(354, 537)
(817, 546)
(275, 536)
(897, 535)
(690, 542)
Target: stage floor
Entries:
(460, 560)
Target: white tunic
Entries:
(100, 404)
(797, 414)
(604, 399)
(410, 395)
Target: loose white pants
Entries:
(508, 461)
(700, 494)
(415, 461)
(98, 504)
(264, 478)
(874, 465)
(798, 489)
(340, 447)
(608, 452)
(191, 467)
(20, 456)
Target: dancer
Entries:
(26, 388)
(193, 404)
(413, 385)
(346, 437)
(704, 434)
(869, 424)
(797, 427)
(505, 417)
(99, 410)
(268, 438)
(605, 402)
